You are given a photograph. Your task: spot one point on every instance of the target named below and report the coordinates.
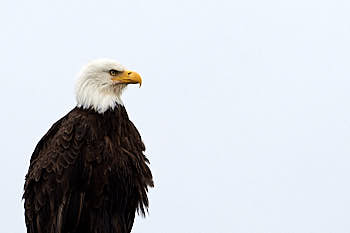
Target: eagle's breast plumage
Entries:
(87, 174)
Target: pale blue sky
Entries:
(244, 107)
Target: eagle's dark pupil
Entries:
(113, 72)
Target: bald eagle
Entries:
(88, 173)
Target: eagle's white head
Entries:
(101, 83)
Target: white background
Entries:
(244, 109)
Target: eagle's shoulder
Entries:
(59, 147)
(53, 167)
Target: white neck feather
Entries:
(91, 95)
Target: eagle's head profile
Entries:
(101, 83)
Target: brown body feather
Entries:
(88, 174)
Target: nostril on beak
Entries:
(129, 73)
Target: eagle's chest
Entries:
(119, 154)
(114, 159)
(115, 154)
(111, 172)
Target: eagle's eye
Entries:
(114, 72)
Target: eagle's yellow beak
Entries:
(129, 77)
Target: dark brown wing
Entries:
(50, 187)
